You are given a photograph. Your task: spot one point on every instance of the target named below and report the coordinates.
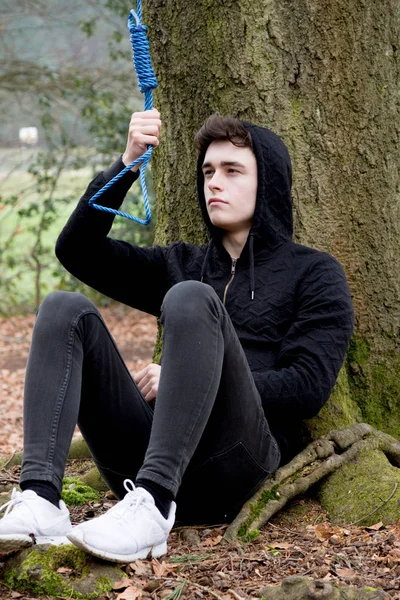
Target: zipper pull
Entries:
(233, 267)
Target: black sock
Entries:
(162, 496)
(44, 489)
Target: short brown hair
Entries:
(222, 128)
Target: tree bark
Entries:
(325, 76)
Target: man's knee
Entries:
(189, 298)
(60, 305)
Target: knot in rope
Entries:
(141, 54)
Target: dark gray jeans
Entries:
(207, 440)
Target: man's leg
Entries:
(209, 430)
(75, 373)
(72, 354)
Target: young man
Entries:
(255, 329)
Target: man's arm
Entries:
(130, 274)
(314, 348)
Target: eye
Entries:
(233, 170)
(207, 172)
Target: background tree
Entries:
(325, 76)
(62, 72)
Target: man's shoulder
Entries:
(310, 257)
(185, 249)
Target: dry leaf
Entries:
(131, 593)
(282, 545)
(211, 541)
(345, 572)
(141, 568)
(64, 570)
(323, 531)
(235, 595)
(160, 569)
(122, 584)
(375, 527)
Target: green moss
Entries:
(38, 575)
(375, 385)
(297, 107)
(75, 492)
(70, 557)
(103, 585)
(339, 412)
(79, 449)
(255, 510)
(94, 480)
(361, 486)
(37, 568)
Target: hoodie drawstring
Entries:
(251, 262)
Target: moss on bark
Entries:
(374, 382)
(56, 571)
(358, 488)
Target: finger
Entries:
(139, 376)
(142, 128)
(150, 130)
(146, 140)
(146, 389)
(150, 396)
(151, 114)
(153, 111)
(141, 122)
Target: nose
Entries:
(215, 182)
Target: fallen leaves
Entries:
(325, 531)
(211, 541)
(375, 527)
(130, 593)
(346, 573)
(130, 590)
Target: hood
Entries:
(273, 220)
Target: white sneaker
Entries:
(31, 519)
(134, 528)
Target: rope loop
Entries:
(147, 82)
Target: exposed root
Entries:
(319, 459)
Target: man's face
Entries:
(230, 185)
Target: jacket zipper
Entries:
(233, 268)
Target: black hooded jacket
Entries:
(290, 304)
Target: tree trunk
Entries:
(325, 76)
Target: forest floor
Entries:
(298, 541)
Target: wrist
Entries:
(127, 161)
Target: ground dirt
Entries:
(299, 541)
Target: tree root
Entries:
(320, 458)
(303, 588)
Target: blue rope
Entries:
(147, 82)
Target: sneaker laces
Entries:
(130, 502)
(16, 498)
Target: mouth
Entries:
(213, 201)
